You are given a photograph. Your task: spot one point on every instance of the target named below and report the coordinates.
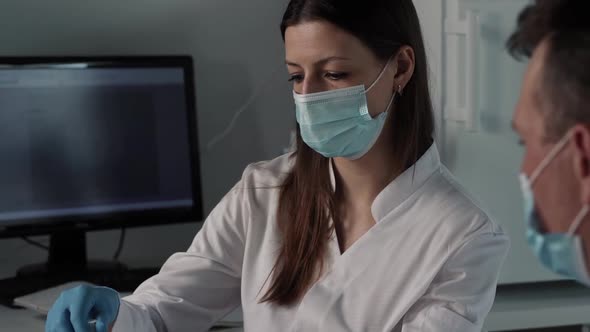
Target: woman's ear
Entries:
(404, 64)
(581, 160)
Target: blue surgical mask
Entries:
(337, 123)
(561, 253)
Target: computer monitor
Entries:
(94, 143)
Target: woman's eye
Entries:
(336, 76)
(297, 78)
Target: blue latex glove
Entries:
(76, 307)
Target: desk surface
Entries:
(516, 307)
(541, 305)
(22, 320)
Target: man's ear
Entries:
(404, 63)
(580, 142)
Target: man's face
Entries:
(556, 192)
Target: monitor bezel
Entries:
(127, 219)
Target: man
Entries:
(553, 120)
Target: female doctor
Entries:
(360, 229)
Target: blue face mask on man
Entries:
(561, 253)
(337, 123)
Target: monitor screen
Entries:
(79, 140)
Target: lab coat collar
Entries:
(400, 189)
(403, 186)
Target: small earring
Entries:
(400, 90)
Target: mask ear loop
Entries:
(390, 102)
(578, 221)
(396, 93)
(399, 92)
(380, 74)
(550, 157)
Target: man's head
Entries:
(554, 107)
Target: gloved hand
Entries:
(76, 307)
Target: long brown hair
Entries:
(307, 201)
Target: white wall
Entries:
(430, 13)
(236, 46)
(486, 161)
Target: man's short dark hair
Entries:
(565, 25)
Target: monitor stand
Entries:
(67, 261)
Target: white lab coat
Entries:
(431, 263)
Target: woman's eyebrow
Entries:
(321, 61)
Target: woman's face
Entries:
(322, 57)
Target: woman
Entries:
(361, 229)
